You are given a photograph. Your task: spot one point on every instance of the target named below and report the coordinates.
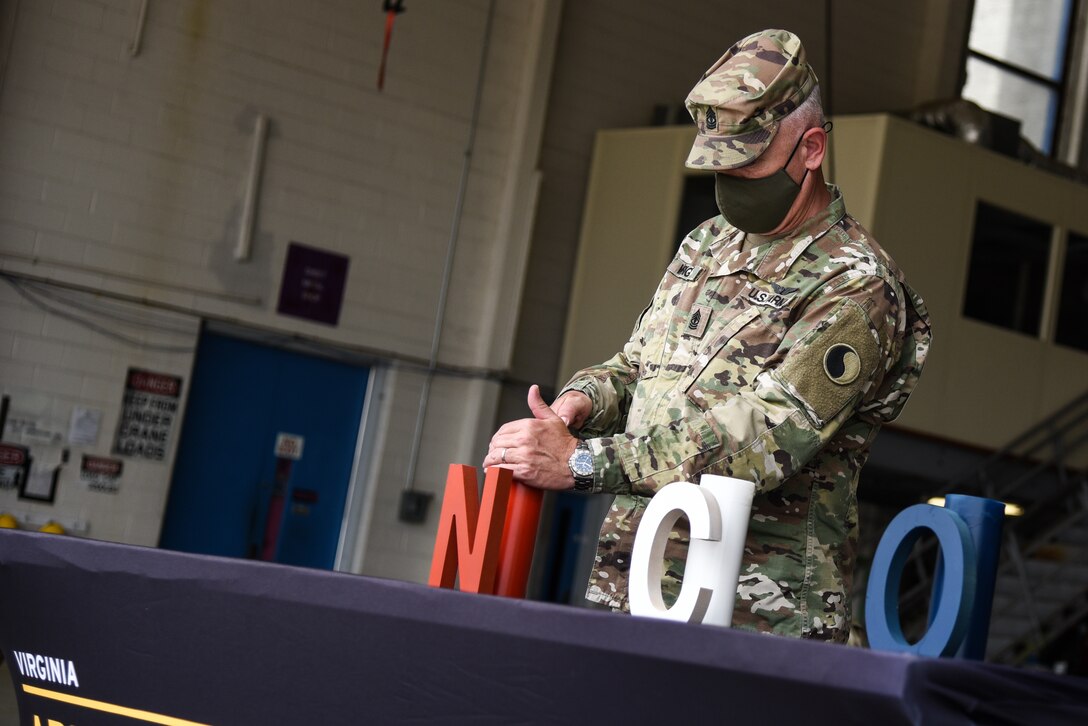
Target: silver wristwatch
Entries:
(581, 466)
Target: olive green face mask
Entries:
(758, 205)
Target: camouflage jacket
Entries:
(776, 363)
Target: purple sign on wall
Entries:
(313, 284)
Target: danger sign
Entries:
(147, 414)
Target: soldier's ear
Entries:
(814, 142)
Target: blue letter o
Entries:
(949, 624)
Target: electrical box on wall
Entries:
(414, 506)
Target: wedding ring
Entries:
(503, 457)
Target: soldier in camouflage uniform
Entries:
(778, 342)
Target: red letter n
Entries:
(468, 535)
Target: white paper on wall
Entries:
(84, 425)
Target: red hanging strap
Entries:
(392, 9)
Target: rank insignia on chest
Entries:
(768, 299)
(697, 322)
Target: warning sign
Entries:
(289, 446)
(148, 412)
(101, 474)
(14, 465)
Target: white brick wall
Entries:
(48, 365)
(126, 175)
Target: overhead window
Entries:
(1072, 328)
(1006, 279)
(1018, 63)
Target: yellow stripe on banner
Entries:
(109, 707)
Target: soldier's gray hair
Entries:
(808, 115)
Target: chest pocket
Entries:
(734, 358)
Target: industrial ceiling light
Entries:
(1011, 510)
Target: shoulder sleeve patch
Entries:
(832, 364)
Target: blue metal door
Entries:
(266, 453)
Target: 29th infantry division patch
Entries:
(832, 363)
(842, 364)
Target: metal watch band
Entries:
(582, 482)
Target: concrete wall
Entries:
(983, 384)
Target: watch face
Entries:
(582, 463)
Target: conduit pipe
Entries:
(451, 247)
(36, 260)
(253, 184)
(354, 354)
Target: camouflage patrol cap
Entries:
(739, 101)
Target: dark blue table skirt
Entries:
(220, 641)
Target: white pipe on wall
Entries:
(253, 183)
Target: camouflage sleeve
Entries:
(829, 362)
(610, 386)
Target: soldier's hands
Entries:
(574, 408)
(535, 449)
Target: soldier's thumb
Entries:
(540, 409)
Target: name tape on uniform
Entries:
(768, 299)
